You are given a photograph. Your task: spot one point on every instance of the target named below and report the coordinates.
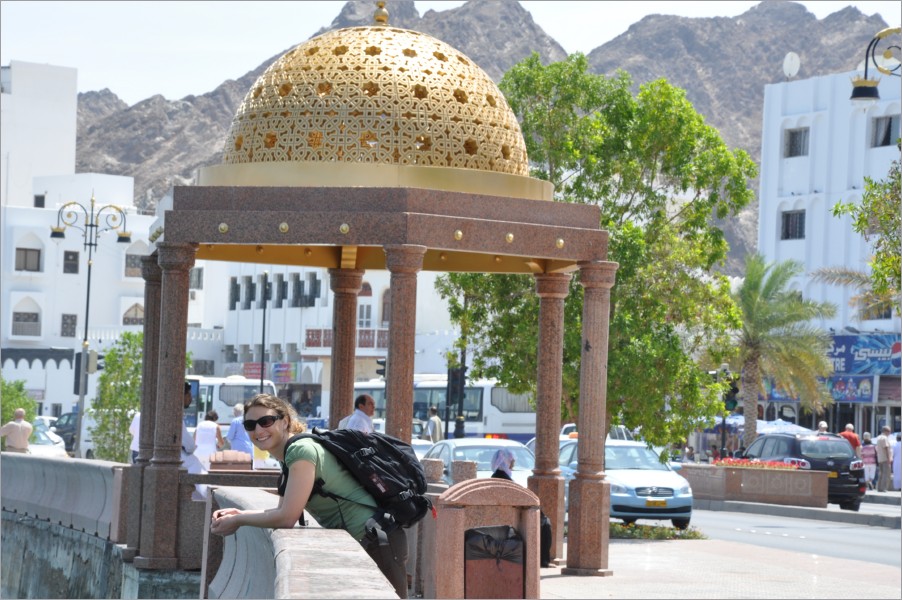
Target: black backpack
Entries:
(384, 465)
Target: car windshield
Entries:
(631, 457)
(523, 460)
(40, 437)
(821, 448)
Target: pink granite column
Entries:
(590, 498)
(159, 506)
(404, 262)
(546, 481)
(152, 275)
(345, 284)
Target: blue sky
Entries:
(137, 49)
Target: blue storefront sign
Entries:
(857, 360)
(874, 354)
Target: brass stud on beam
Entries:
(458, 235)
(223, 228)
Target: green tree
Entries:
(13, 396)
(778, 340)
(879, 219)
(660, 176)
(118, 397)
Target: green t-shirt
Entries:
(358, 507)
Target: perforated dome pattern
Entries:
(377, 95)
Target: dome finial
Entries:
(381, 15)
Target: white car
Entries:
(44, 442)
(481, 450)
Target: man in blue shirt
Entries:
(237, 436)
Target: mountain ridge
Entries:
(723, 63)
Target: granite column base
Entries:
(589, 527)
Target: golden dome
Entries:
(377, 95)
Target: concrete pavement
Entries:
(720, 569)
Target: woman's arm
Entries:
(300, 483)
(219, 441)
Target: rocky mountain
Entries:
(722, 63)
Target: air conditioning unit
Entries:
(192, 295)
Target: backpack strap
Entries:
(318, 485)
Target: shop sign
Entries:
(283, 372)
(866, 354)
(851, 388)
(251, 370)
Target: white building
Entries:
(817, 148)
(38, 114)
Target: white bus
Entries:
(489, 410)
(222, 394)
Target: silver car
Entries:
(481, 450)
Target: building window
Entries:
(364, 316)
(231, 355)
(26, 323)
(796, 142)
(133, 265)
(234, 293)
(134, 315)
(279, 291)
(886, 131)
(70, 262)
(39, 200)
(876, 313)
(196, 278)
(386, 308)
(250, 292)
(297, 290)
(793, 226)
(202, 367)
(28, 259)
(70, 322)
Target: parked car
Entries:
(44, 421)
(420, 447)
(829, 452)
(65, 428)
(642, 487)
(482, 450)
(44, 442)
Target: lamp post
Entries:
(91, 221)
(865, 89)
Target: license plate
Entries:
(656, 503)
(833, 475)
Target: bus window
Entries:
(505, 401)
(473, 404)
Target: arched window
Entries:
(134, 315)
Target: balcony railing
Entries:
(366, 338)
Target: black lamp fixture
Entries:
(91, 221)
(864, 88)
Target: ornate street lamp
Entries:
(865, 89)
(91, 221)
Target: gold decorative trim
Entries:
(313, 174)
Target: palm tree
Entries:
(868, 302)
(778, 340)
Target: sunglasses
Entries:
(264, 422)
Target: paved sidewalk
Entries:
(719, 569)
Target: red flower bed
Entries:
(753, 464)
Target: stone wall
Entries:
(772, 486)
(47, 560)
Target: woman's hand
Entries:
(225, 521)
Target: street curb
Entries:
(798, 512)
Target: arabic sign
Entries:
(876, 354)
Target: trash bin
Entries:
(493, 563)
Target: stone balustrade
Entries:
(792, 487)
(84, 495)
(308, 562)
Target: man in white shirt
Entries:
(884, 445)
(135, 430)
(362, 418)
(433, 431)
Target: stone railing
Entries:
(792, 487)
(308, 562)
(84, 495)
